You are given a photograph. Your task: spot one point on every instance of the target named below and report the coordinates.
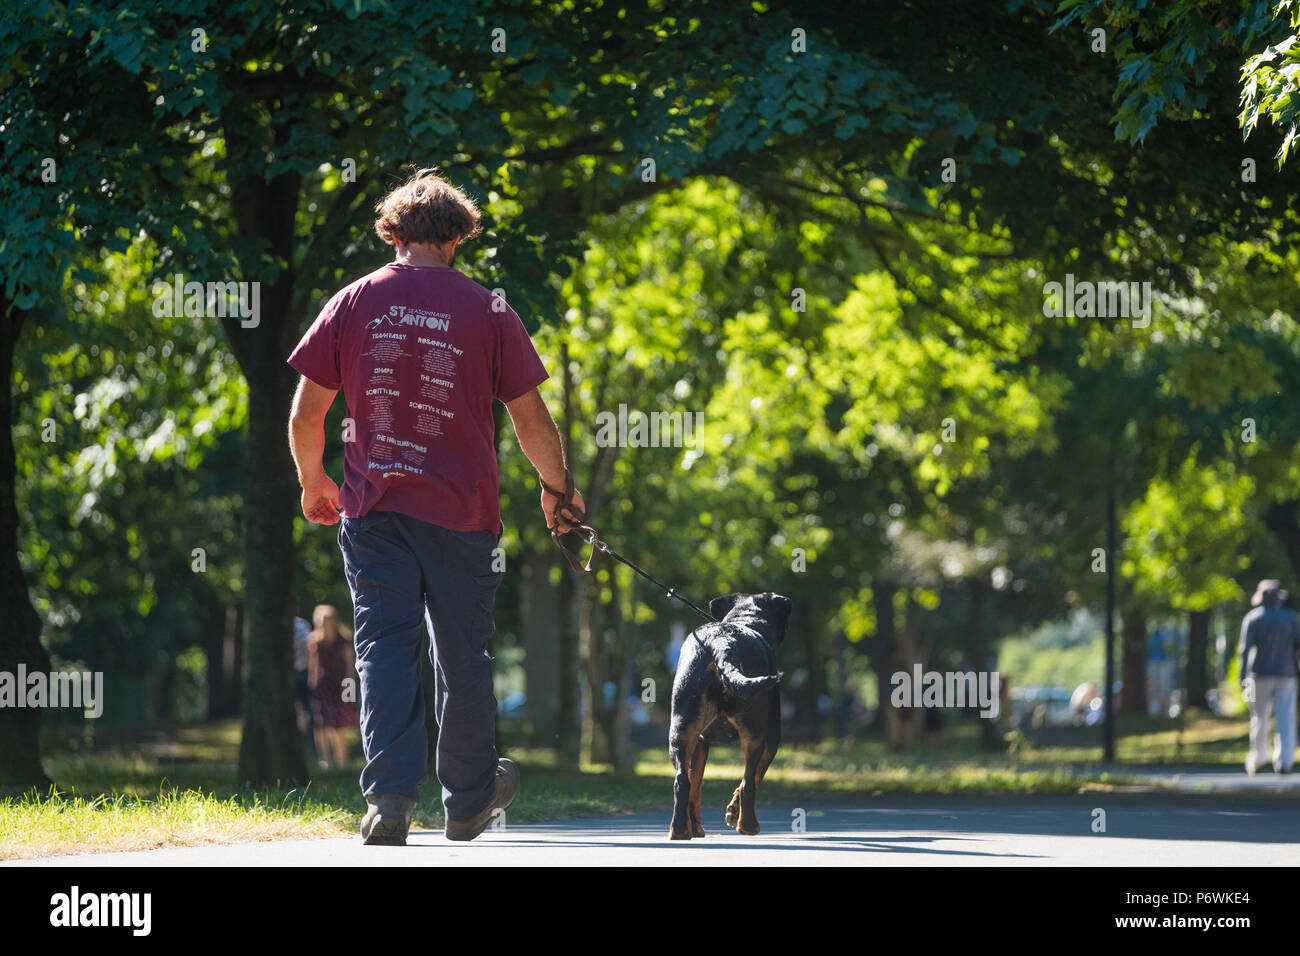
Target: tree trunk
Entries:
(600, 734)
(1133, 651)
(540, 633)
(620, 662)
(598, 747)
(225, 662)
(570, 717)
(908, 650)
(607, 663)
(881, 648)
(982, 658)
(164, 709)
(1283, 519)
(213, 631)
(569, 734)
(813, 627)
(20, 637)
(1198, 646)
(842, 702)
(270, 750)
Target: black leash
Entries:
(598, 545)
(589, 535)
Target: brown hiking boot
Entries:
(387, 820)
(507, 788)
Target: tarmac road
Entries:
(1142, 829)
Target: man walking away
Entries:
(1270, 652)
(421, 352)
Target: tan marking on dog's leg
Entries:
(680, 827)
(700, 758)
(746, 821)
(733, 808)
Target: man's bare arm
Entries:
(320, 495)
(539, 440)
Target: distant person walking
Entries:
(333, 683)
(1269, 657)
(302, 683)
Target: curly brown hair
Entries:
(426, 208)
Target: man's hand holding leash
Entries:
(564, 509)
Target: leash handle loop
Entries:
(565, 503)
(589, 536)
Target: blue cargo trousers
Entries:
(407, 575)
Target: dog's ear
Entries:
(720, 606)
(778, 608)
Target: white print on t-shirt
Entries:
(393, 469)
(401, 443)
(400, 315)
(420, 376)
(441, 345)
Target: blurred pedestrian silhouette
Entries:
(334, 684)
(1269, 657)
(302, 684)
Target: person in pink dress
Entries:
(333, 682)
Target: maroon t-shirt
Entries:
(420, 353)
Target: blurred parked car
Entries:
(1039, 706)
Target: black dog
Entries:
(726, 690)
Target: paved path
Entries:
(1217, 781)
(1142, 829)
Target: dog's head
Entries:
(770, 607)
